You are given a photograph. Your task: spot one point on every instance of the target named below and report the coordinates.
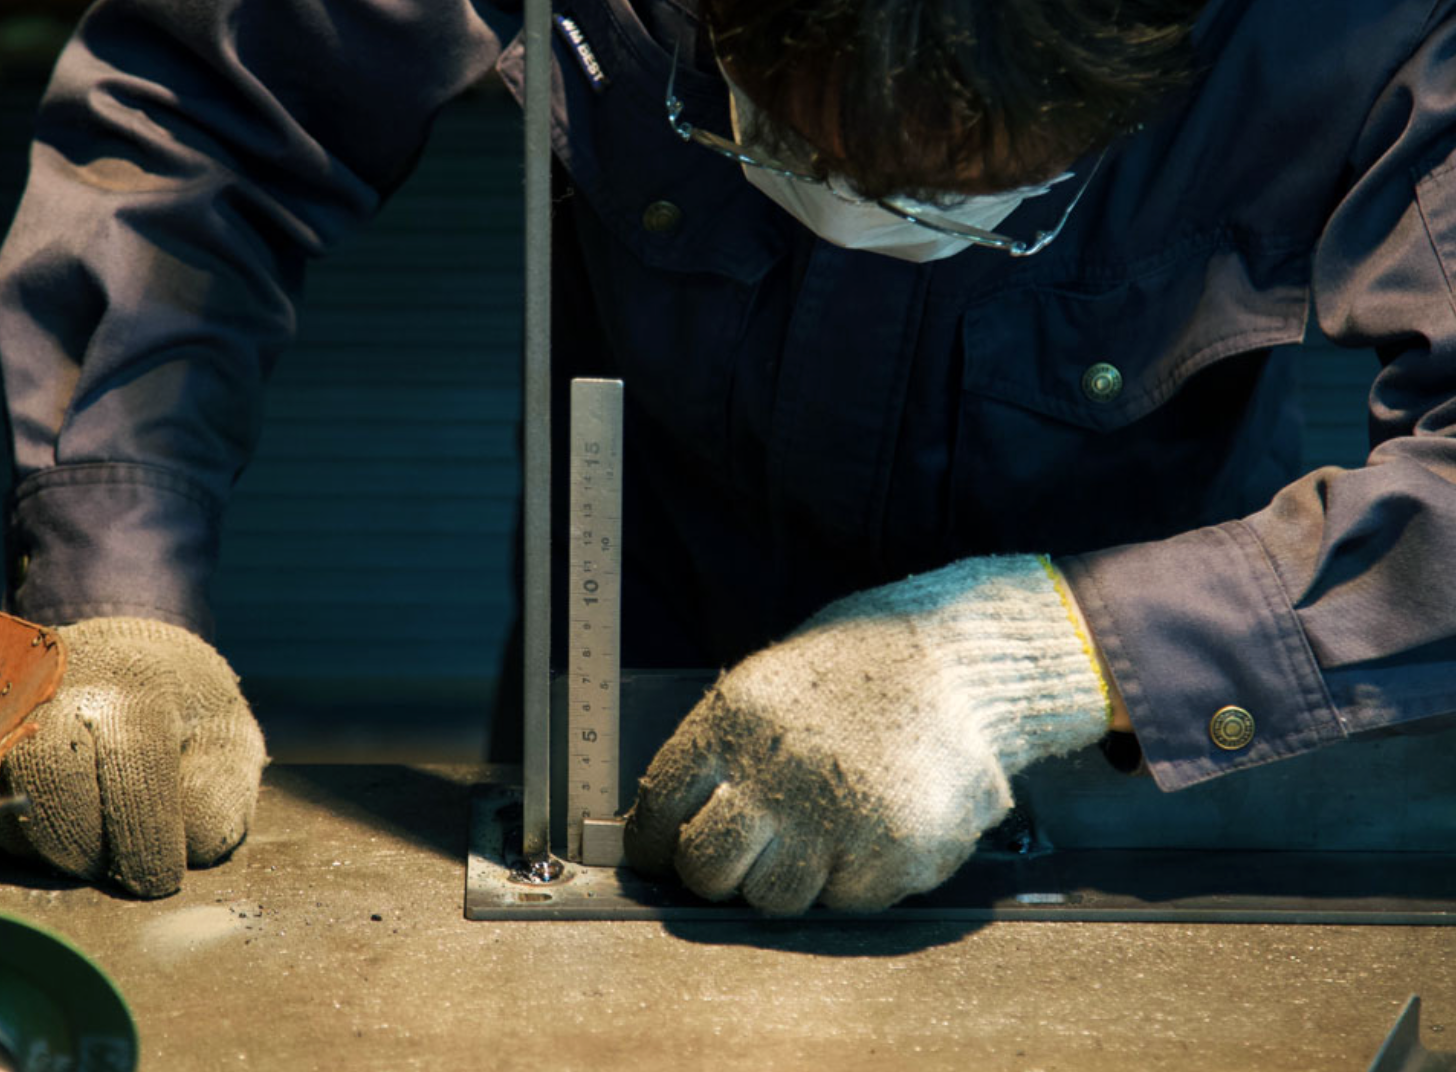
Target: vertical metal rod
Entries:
(536, 475)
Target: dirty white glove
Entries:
(147, 759)
(859, 760)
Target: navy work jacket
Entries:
(803, 420)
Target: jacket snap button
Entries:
(1102, 382)
(1231, 728)
(661, 217)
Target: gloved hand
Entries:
(858, 760)
(146, 760)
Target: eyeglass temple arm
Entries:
(1044, 238)
(683, 129)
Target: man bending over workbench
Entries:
(952, 422)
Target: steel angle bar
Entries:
(1125, 886)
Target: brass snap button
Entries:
(1102, 382)
(661, 217)
(1231, 728)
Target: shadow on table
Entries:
(429, 807)
(38, 875)
(884, 937)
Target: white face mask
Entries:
(864, 225)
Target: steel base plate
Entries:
(1113, 885)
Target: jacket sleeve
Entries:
(1331, 612)
(190, 156)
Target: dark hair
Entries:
(921, 97)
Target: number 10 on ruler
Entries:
(594, 605)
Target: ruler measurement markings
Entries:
(594, 611)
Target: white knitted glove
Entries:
(859, 760)
(146, 760)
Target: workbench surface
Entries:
(335, 939)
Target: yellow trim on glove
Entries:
(1074, 615)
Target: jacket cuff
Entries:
(1196, 625)
(113, 539)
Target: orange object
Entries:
(32, 662)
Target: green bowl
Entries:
(57, 1008)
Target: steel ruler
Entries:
(594, 603)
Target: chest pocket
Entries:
(669, 240)
(1112, 409)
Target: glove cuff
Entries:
(1008, 653)
(198, 661)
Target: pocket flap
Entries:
(1102, 354)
